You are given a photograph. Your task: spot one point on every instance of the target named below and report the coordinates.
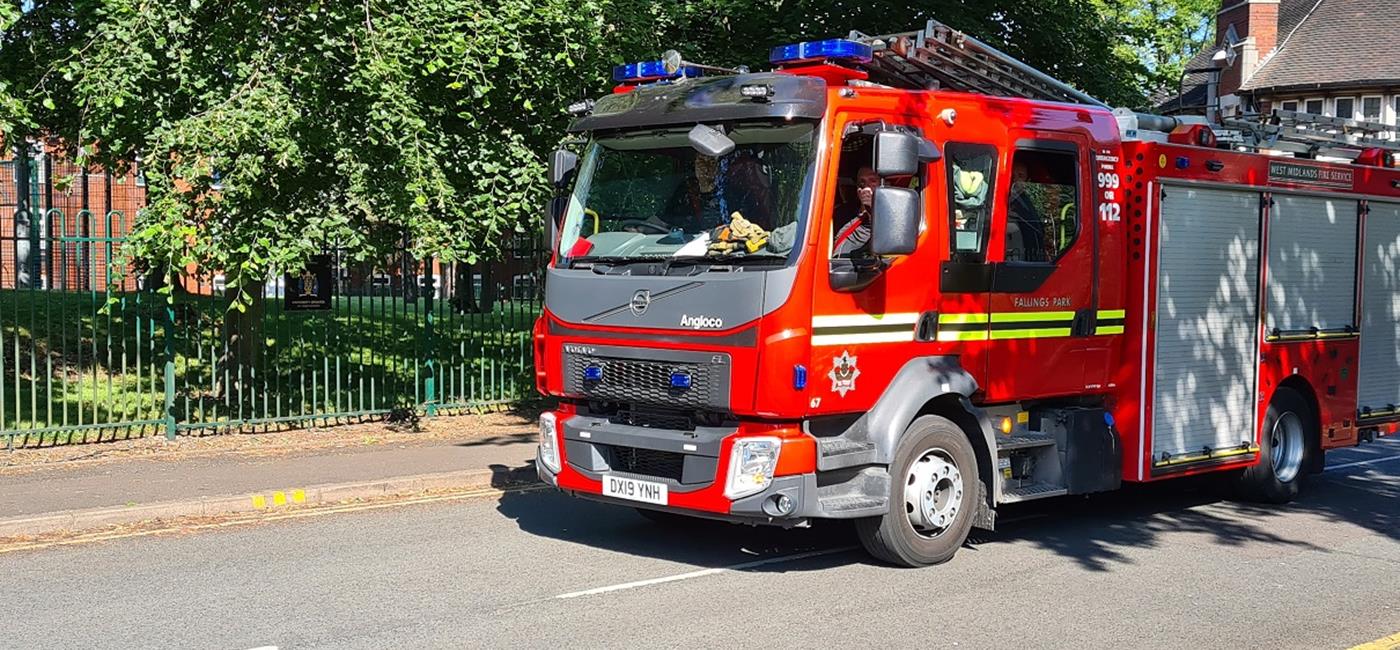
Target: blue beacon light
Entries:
(650, 71)
(838, 49)
(681, 379)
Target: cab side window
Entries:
(850, 223)
(971, 170)
(1042, 216)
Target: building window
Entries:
(1395, 114)
(1371, 109)
(1290, 105)
(1313, 106)
(1344, 107)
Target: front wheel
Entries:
(1284, 450)
(933, 497)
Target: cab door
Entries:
(1043, 296)
(867, 312)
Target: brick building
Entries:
(59, 224)
(1327, 57)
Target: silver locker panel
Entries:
(1312, 264)
(1378, 378)
(1207, 320)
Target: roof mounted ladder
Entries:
(1311, 134)
(940, 57)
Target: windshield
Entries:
(651, 196)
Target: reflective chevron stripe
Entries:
(1111, 321)
(849, 329)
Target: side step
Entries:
(851, 507)
(836, 453)
(1032, 492)
(1024, 440)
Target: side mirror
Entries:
(561, 167)
(899, 154)
(895, 223)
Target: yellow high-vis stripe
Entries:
(1039, 333)
(1109, 329)
(1113, 313)
(962, 318)
(1028, 316)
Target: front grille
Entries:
(648, 382)
(654, 419)
(647, 462)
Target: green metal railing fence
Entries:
(91, 351)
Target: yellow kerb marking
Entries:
(279, 498)
(1391, 642)
(259, 501)
(298, 496)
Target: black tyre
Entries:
(933, 497)
(1285, 450)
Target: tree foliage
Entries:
(1162, 34)
(269, 130)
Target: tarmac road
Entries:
(1174, 566)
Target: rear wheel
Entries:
(1284, 450)
(933, 497)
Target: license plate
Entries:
(634, 490)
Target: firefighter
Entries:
(853, 235)
(1025, 226)
(698, 204)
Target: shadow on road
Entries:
(1093, 531)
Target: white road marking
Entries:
(705, 572)
(1362, 462)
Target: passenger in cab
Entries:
(852, 219)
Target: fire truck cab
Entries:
(906, 279)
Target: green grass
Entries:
(68, 362)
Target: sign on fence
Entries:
(310, 289)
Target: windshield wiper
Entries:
(614, 260)
(728, 259)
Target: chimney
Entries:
(1256, 25)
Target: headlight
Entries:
(751, 465)
(549, 441)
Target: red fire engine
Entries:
(905, 279)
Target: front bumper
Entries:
(693, 465)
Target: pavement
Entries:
(1173, 565)
(79, 496)
(1168, 566)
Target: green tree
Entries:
(269, 130)
(12, 114)
(1069, 39)
(1162, 34)
(353, 125)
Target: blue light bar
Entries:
(838, 49)
(681, 379)
(651, 70)
(593, 373)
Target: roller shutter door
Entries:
(1207, 321)
(1379, 377)
(1312, 265)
